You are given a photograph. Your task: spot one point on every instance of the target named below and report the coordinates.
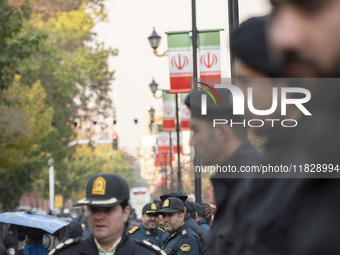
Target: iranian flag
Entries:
(169, 111)
(174, 142)
(180, 61)
(209, 56)
(163, 142)
(185, 113)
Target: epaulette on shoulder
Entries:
(133, 230)
(184, 233)
(65, 244)
(159, 228)
(152, 247)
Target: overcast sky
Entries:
(129, 24)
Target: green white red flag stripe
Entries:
(163, 142)
(180, 61)
(185, 113)
(209, 55)
(174, 142)
(169, 111)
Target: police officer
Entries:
(148, 229)
(107, 199)
(181, 239)
(188, 219)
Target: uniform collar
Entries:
(112, 250)
(179, 230)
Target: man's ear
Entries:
(126, 213)
(222, 132)
(182, 216)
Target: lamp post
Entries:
(154, 88)
(233, 24)
(51, 183)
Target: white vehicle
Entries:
(139, 196)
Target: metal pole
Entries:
(198, 183)
(179, 174)
(233, 24)
(165, 172)
(194, 42)
(171, 169)
(51, 183)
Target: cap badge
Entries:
(166, 203)
(153, 207)
(98, 187)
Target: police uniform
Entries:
(106, 190)
(184, 240)
(141, 233)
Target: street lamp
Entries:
(154, 40)
(154, 87)
(152, 115)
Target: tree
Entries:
(86, 162)
(75, 75)
(21, 133)
(13, 44)
(60, 52)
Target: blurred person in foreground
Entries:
(301, 214)
(107, 199)
(224, 146)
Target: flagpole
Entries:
(171, 169)
(233, 24)
(198, 182)
(179, 173)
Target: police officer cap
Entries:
(219, 104)
(178, 195)
(172, 205)
(105, 190)
(150, 208)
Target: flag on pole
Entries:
(185, 113)
(163, 142)
(174, 142)
(163, 159)
(209, 56)
(169, 111)
(180, 61)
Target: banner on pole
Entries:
(169, 111)
(174, 142)
(163, 142)
(180, 61)
(185, 113)
(209, 56)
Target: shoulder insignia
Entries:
(185, 247)
(184, 232)
(133, 230)
(161, 229)
(61, 246)
(152, 247)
